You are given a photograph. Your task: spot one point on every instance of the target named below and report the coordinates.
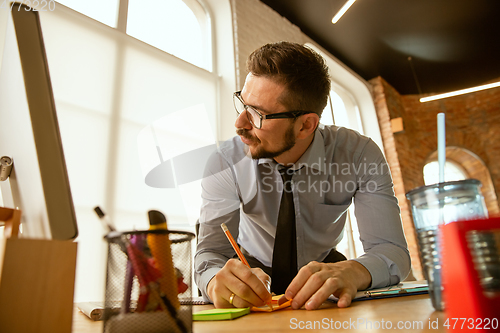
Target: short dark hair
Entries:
(302, 70)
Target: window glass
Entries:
(336, 113)
(102, 11)
(452, 172)
(341, 111)
(110, 91)
(171, 26)
(339, 116)
(327, 115)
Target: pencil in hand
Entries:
(235, 246)
(238, 251)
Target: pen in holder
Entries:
(137, 298)
(161, 250)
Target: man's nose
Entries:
(242, 121)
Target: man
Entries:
(282, 187)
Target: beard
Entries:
(260, 152)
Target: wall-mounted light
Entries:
(460, 92)
(342, 11)
(5, 167)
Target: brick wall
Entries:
(472, 128)
(472, 123)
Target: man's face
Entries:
(276, 136)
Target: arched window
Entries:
(452, 171)
(179, 27)
(103, 11)
(463, 164)
(341, 110)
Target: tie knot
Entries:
(286, 173)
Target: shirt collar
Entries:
(313, 157)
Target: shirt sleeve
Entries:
(220, 204)
(379, 221)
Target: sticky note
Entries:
(220, 314)
(275, 303)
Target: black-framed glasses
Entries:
(255, 117)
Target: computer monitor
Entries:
(29, 134)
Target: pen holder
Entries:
(148, 282)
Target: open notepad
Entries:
(401, 289)
(95, 310)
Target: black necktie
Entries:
(284, 266)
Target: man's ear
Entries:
(309, 122)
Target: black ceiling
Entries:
(453, 44)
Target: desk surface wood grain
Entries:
(398, 314)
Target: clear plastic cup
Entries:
(437, 204)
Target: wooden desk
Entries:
(416, 312)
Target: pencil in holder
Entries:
(148, 290)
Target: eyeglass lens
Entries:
(252, 115)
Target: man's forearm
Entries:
(388, 264)
(362, 276)
(206, 266)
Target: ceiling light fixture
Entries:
(342, 11)
(460, 92)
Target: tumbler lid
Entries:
(443, 187)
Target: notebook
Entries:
(401, 289)
(95, 310)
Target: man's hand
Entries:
(250, 286)
(316, 281)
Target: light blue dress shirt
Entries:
(339, 167)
